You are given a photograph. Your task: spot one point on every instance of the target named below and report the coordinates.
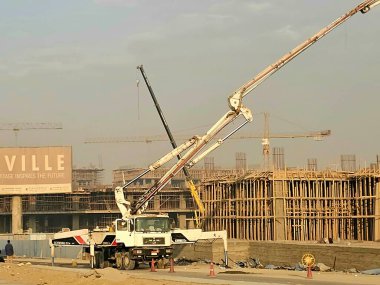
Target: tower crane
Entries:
(16, 127)
(265, 138)
(317, 135)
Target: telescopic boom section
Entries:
(140, 205)
(237, 108)
(234, 99)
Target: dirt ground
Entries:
(29, 274)
(39, 272)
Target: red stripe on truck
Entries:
(80, 240)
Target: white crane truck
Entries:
(136, 236)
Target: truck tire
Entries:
(161, 263)
(119, 260)
(128, 263)
(99, 259)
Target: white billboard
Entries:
(35, 170)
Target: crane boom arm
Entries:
(237, 108)
(160, 113)
(242, 91)
(190, 183)
(29, 126)
(140, 205)
(161, 138)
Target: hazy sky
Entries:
(75, 62)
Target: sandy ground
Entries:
(39, 272)
(29, 274)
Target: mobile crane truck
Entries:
(136, 236)
(132, 239)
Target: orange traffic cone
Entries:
(152, 268)
(212, 271)
(171, 265)
(309, 274)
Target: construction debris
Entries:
(372, 271)
(322, 267)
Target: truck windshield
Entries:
(122, 225)
(152, 224)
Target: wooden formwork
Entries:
(294, 205)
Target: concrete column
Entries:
(182, 202)
(3, 224)
(182, 221)
(32, 224)
(191, 224)
(32, 204)
(279, 209)
(75, 222)
(76, 200)
(377, 213)
(156, 203)
(46, 224)
(16, 215)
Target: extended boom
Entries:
(237, 109)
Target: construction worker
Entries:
(9, 252)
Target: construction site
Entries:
(193, 212)
(281, 204)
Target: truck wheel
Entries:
(99, 259)
(128, 263)
(119, 261)
(161, 263)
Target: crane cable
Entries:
(138, 95)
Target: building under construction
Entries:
(280, 204)
(92, 204)
(298, 205)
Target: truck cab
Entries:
(142, 238)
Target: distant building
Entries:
(93, 204)
(87, 178)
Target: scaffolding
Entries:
(87, 209)
(297, 205)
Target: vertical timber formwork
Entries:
(279, 190)
(244, 208)
(377, 213)
(297, 205)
